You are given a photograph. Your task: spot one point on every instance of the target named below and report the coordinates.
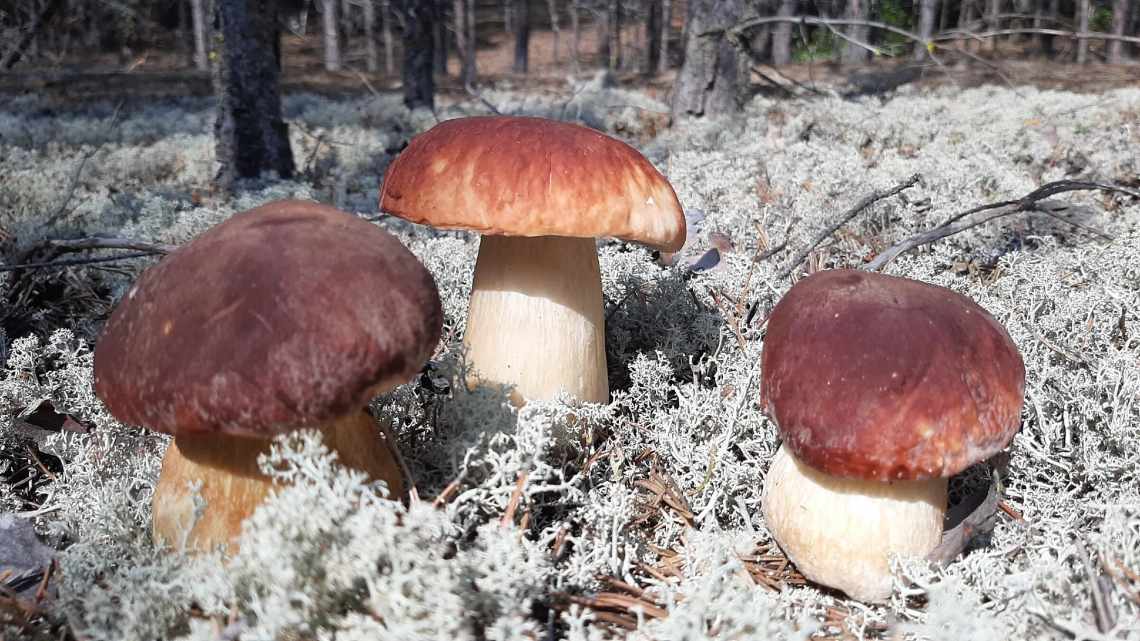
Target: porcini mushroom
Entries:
(882, 388)
(287, 316)
(539, 191)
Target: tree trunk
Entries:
(441, 39)
(927, 14)
(713, 78)
(653, 27)
(602, 24)
(250, 134)
(992, 21)
(389, 55)
(575, 36)
(418, 18)
(372, 55)
(555, 26)
(522, 36)
(615, 31)
(330, 34)
(853, 53)
(1082, 20)
(1119, 20)
(464, 47)
(666, 27)
(782, 34)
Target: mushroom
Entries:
(539, 191)
(288, 316)
(881, 387)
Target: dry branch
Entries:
(1031, 202)
(866, 202)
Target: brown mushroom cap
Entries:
(284, 316)
(518, 176)
(881, 378)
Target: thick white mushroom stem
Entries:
(841, 533)
(232, 486)
(535, 319)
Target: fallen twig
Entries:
(867, 201)
(63, 206)
(74, 262)
(81, 244)
(1028, 203)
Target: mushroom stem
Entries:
(842, 532)
(232, 486)
(535, 318)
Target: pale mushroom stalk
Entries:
(536, 307)
(842, 532)
(222, 471)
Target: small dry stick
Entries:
(74, 262)
(863, 204)
(516, 496)
(1028, 203)
(81, 244)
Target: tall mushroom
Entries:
(539, 191)
(882, 387)
(290, 315)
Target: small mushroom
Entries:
(540, 191)
(287, 316)
(882, 387)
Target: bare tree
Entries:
(1119, 20)
(522, 36)
(389, 55)
(575, 35)
(250, 134)
(39, 18)
(927, 13)
(464, 44)
(653, 27)
(615, 32)
(1082, 20)
(330, 35)
(713, 77)
(782, 34)
(853, 52)
(666, 27)
(198, 17)
(371, 55)
(417, 20)
(555, 25)
(992, 20)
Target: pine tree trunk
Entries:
(782, 34)
(602, 24)
(666, 27)
(653, 27)
(330, 34)
(615, 31)
(464, 46)
(389, 54)
(713, 78)
(575, 36)
(1082, 20)
(992, 21)
(555, 26)
(1119, 20)
(522, 36)
(928, 13)
(250, 134)
(371, 54)
(417, 20)
(853, 53)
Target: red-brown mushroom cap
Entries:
(876, 377)
(518, 176)
(281, 317)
